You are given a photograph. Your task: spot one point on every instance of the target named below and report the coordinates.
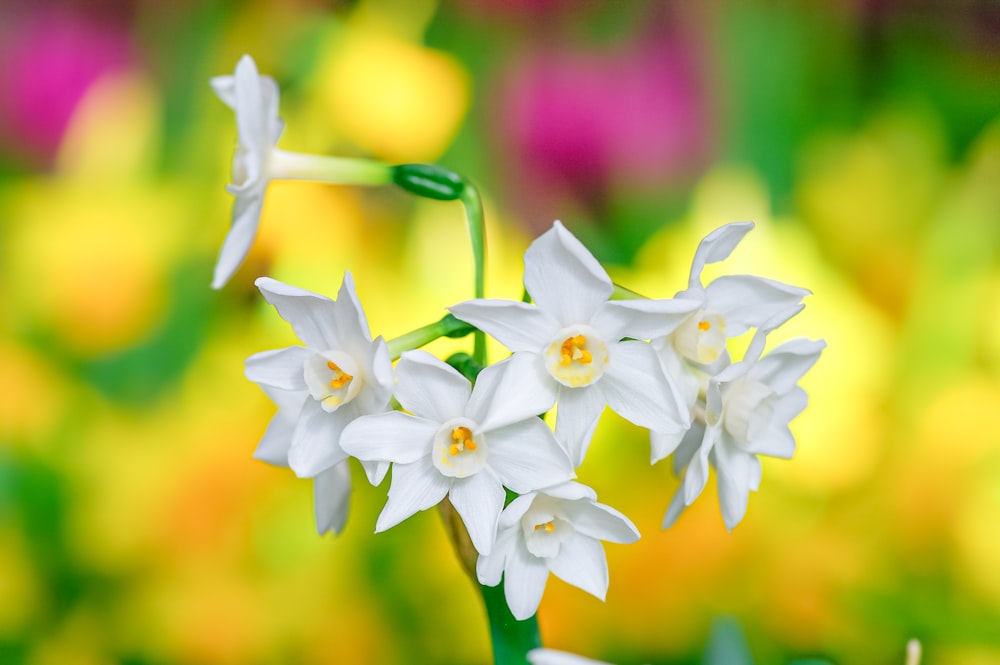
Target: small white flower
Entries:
(340, 374)
(571, 342)
(254, 98)
(464, 442)
(555, 657)
(749, 406)
(728, 307)
(557, 530)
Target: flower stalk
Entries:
(286, 165)
(448, 326)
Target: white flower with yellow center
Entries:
(728, 307)
(556, 530)
(749, 406)
(460, 441)
(570, 342)
(257, 160)
(341, 373)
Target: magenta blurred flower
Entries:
(48, 60)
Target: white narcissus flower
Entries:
(749, 406)
(571, 342)
(461, 441)
(728, 307)
(257, 161)
(558, 530)
(341, 374)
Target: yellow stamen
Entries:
(704, 326)
(340, 377)
(572, 349)
(455, 449)
(548, 527)
(462, 436)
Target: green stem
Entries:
(448, 326)
(285, 165)
(477, 233)
(512, 639)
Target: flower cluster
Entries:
(475, 438)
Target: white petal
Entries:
(349, 321)
(251, 109)
(375, 471)
(675, 509)
(747, 302)
(688, 448)
(310, 314)
(515, 510)
(599, 521)
(281, 368)
(716, 246)
(517, 325)
(576, 418)
(430, 388)
(236, 246)
(777, 440)
(555, 657)
(225, 88)
(515, 389)
(479, 500)
(641, 319)
(316, 441)
(637, 389)
(696, 475)
(332, 498)
(782, 368)
(734, 492)
(527, 457)
(571, 491)
(376, 393)
(524, 582)
(414, 487)
(389, 437)
(663, 444)
(581, 562)
(489, 567)
(563, 277)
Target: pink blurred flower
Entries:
(48, 60)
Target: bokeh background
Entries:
(862, 136)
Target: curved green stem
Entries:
(448, 326)
(477, 233)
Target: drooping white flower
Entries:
(556, 657)
(254, 98)
(556, 530)
(749, 406)
(728, 307)
(461, 441)
(340, 374)
(571, 342)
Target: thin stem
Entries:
(448, 326)
(512, 639)
(285, 165)
(477, 233)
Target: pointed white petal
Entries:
(375, 471)
(527, 457)
(415, 487)
(599, 521)
(581, 562)
(246, 215)
(576, 418)
(688, 448)
(675, 509)
(349, 320)
(571, 491)
(747, 302)
(251, 121)
(332, 498)
(641, 319)
(524, 582)
(663, 444)
(479, 500)
(225, 89)
(310, 314)
(637, 389)
(489, 567)
(517, 325)
(515, 510)
(696, 475)
(281, 368)
(716, 246)
(782, 368)
(563, 277)
(734, 492)
(316, 440)
(430, 388)
(512, 390)
(389, 437)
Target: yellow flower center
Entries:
(340, 377)
(461, 441)
(576, 356)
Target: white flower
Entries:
(557, 530)
(728, 307)
(339, 375)
(463, 442)
(258, 160)
(570, 340)
(555, 657)
(749, 406)
(254, 98)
